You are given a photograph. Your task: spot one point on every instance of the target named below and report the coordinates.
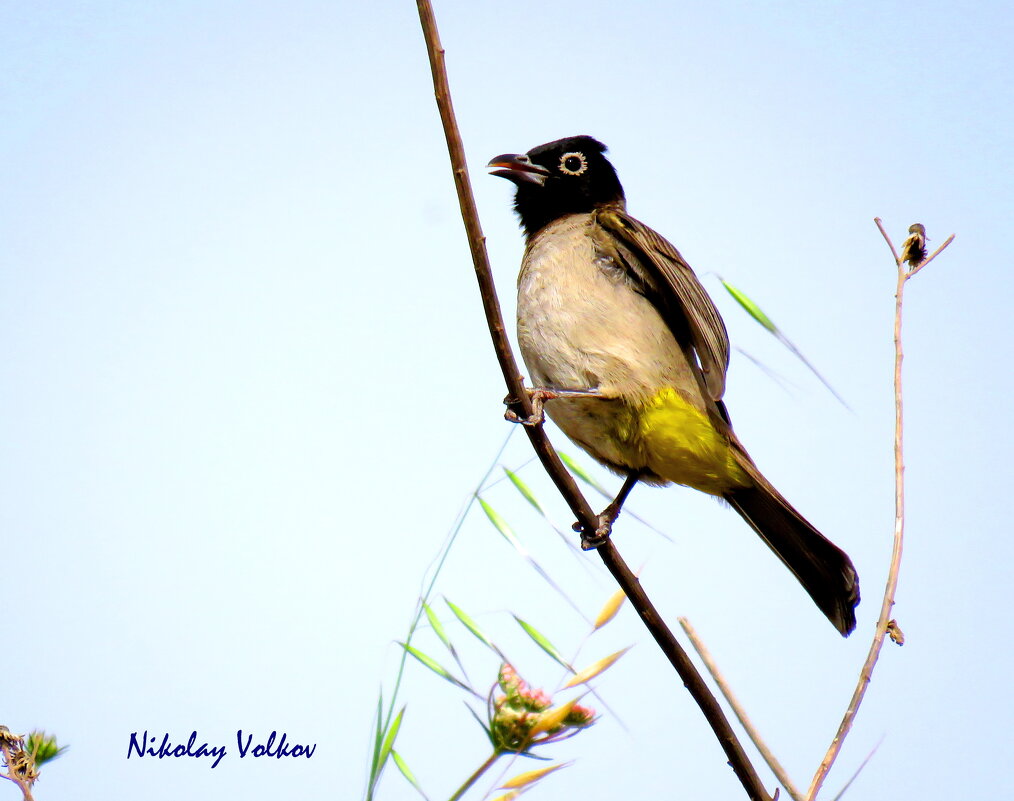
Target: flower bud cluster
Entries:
(522, 716)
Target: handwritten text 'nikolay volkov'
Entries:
(144, 746)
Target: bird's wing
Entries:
(679, 291)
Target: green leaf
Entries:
(470, 624)
(435, 666)
(43, 746)
(392, 734)
(501, 525)
(428, 661)
(437, 626)
(751, 308)
(378, 739)
(580, 472)
(403, 767)
(505, 531)
(543, 642)
(755, 311)
(525, 490)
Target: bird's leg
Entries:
(538, 397)
(608, 516)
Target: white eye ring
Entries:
(573, 155)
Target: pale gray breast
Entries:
(581, 325)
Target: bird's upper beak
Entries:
(517, 167)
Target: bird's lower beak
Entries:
(517, 167)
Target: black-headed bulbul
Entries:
(620, 336)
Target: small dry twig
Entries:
(731, 699)
(899, 517)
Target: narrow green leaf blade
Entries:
(392, 734)
(755, 311)
(579, 471)
(378, 740)
(543, 642)
(751, 308)
(501, 525)
(469, 624)
(435, 666)
(403, 767)
(437, 626)
(525, 490)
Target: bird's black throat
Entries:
(580, 180)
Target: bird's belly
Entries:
(581, 326)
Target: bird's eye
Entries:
(573, 163)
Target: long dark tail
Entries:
(824, 570)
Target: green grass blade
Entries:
(471, 625)
(403, 767)
(758, 314)
(437, 626)
(501, 525)
(392, 734)
(751, 308)
(378, 740)
(579, 471)
(436, 667)
(543, 642)
(525, 491)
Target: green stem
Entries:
(441, 558)
(477, 775)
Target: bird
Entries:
(628, 355)
(914, 248)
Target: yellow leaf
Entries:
(552, 718)
(592, 671)
(610, 609)
(531, 776)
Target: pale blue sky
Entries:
(247, 386)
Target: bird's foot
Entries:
(596, 539)
(538, 397)
(591, 541)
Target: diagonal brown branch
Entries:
(899, 521)
(521, 404)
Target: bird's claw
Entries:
(535, 418)
(538, 397)
(596, 539)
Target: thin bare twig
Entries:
(737, 708)
(857, 771)
(899, 521)
(520, 403)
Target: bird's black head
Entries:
(568, 176)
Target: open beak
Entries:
(518, 168)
